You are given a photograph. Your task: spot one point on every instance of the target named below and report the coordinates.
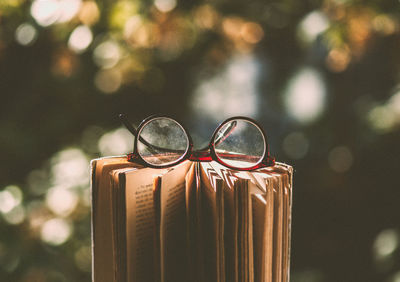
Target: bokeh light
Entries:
(312, 25)
(26, 34)
(340, 159)
(395, 277)
(116, 142)
(70, 168)
(10, 197)
(89, 13)
(386, 243)
(296, 145)
(107, 54)
(386, 117)
(108, 81)
(48, 12)
(305, 95)
(61, 201)
(165, 5)
(56, 231)
(80, 39)
(231, 92)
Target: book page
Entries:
(192, 235)
(157, 222)
(243, 185)
(279, 180)
(259, 207)
(263, 258)
(230, 227)
(277, 229)
(140, 224)
(201, 270)
(103, 266)
(287, 212)
(119, 224)
(173, 224)
(213, 224)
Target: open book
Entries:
(197, 222)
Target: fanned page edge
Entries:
(103, 265)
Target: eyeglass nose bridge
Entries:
(202, 156)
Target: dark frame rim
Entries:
(139, 129)
(266, 147)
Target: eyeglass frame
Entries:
(206, 154)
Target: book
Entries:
(196, 221)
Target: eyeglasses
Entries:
(238, 143)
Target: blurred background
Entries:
(321, 76)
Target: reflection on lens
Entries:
(162, 141)
(240, 143)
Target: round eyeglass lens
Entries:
(162, 141)
(240, 143)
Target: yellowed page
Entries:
(140, 222)
(119, 225)
(277, 230)
(212, 222)
(231, 236)
(243, 231)
(192, 237)
(103, 266)
(287, 217)
(277, 177)
(157, 221)
(242, 221)
(201, 271)
(173, 225)
(259, 209)
(269, 232)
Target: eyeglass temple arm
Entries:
(127, 124)
(152, 148)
